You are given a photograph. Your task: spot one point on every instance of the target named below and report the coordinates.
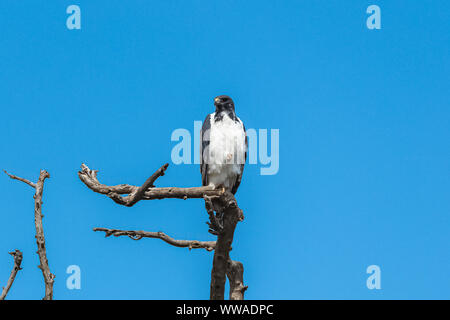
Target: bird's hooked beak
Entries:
(217, 102)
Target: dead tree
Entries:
(40, 239)
(223, 266)
(17, 255)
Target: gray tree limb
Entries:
(31, 184)
(40, 238)
(224, 202)
(138, 235)
(17, 255)
(145, 192)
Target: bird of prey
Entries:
(223, 147)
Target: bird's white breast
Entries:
(226, 151)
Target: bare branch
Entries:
(136, 196)
(40, 239)
(223, 224)
(215, 226)
(235, 273)
(231, 216)
(89, 178)
(17, 255)
(138, 235)
(31, 184)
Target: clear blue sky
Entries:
(364, 143)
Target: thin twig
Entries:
(17, 255)
(137, 235)
(31, 184)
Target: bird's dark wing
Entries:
(239, 177)
(204, 149)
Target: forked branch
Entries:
(145, 192)
(218, 200)
(231, 213)
(40, 239)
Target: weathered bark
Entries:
(40, 238)
(235, 273)
(138, 235)
(31, 184)
(89, 178)
(231, 216)
(224, 202)
(17, 255)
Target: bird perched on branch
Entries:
(223, 147)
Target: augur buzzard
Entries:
(223, 147)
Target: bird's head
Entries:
(224, 103)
